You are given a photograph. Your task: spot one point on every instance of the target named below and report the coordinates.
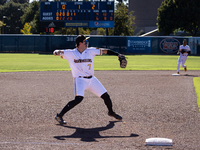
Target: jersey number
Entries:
(89, 66)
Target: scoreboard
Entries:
(78, 14)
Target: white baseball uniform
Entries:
(82, 68)
(182, 58)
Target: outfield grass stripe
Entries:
(196, 81)
(10, 62)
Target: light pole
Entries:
(18, 16)
(7, 29)
(4, 17)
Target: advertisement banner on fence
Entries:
(138, 45)
(198, 45)
(101, 24)
(193, 45)
(169, 45)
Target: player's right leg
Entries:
(178, 65)
(69, 106)
(79, 88)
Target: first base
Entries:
(175, 74)
(159, 142)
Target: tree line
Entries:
(179, 15)
(20, 16)
(173, 16)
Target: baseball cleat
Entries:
(60, 119)
(177, 72)
(185, 68)
(116, 116)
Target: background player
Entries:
(81, 61)
(184, 50)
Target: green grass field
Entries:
(36, 62)
(196, 81)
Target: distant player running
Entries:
(81, 61)
(184, 50)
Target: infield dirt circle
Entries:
(152, 104)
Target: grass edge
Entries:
(196, 81)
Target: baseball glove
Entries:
(183, 51)
(123, 61)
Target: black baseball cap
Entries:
(81, 38)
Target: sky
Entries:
(32, 1)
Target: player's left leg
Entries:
(69, 106)
(79, 88)
(108, 103)
(183, 63)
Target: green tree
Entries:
(2, 2)
(12, 11)
(65, 31)
(26, 29)
(36, 20)
(101, 31)
(124, 21)
(85, 31)
(1, 25)
(32, 15)
(179, 14)
(21, 1)
(72, 31)
(30, 12)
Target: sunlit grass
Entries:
(36, 62)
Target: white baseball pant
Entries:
(181, 61)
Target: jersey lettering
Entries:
(82, 60)
(81, 64)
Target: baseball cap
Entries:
(81, 38)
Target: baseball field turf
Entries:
(38, 62)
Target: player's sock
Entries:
(107, 101)
(70, 105)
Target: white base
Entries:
(159, 142)
(175, 74)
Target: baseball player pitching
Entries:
(81, 61)
(184, 50)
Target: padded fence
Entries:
(121, 44)
(48, 43)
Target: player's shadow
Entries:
(190, 75)
(91, 134)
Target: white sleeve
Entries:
(95, 51)
(67, 54)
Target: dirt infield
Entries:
(152, 104)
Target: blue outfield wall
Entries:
(122, 44)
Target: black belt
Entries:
(85, 77)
